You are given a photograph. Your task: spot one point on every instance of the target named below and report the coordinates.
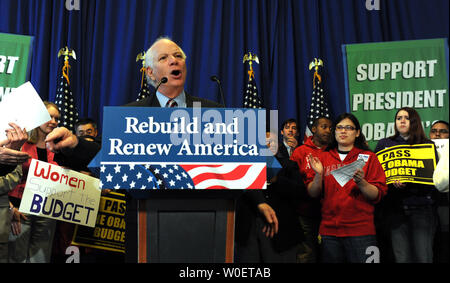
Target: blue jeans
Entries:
(357, 249)
(412, 235)
(34, 243)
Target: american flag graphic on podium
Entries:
(183, 176)
(165, 161)
(319, 106)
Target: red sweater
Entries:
(307, 207)
(345, 210)
(29, 148)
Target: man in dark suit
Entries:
(165, 59)
(267, 227)
(289, 134)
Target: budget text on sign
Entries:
(54, 192)
(409, 163)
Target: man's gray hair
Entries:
(150, 58)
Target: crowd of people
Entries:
(304, 216)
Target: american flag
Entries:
(318, 108)
(65, 102)
(144, 91)
(251, 98)
(183, 176)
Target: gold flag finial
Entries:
(316, 64)
(250, 58)
(141, 56)
(67, 52)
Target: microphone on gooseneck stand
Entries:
(162, 81)
(216, 79)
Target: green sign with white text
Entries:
(15, 61)
(384, 77)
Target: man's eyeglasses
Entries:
(340, 128)
(440, 131)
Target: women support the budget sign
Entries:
(62, 194)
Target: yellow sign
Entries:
(409, 163)
(109, 231)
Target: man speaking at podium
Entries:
(166, 70)
(165, 64)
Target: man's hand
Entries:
(60, 138)
(292, 142)
(315, 164)
(271, 228)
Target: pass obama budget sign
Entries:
(183, 148)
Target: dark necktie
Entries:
(171, 103)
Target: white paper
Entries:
(345, 173)
(440, 144)
(24, 107)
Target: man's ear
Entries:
(149, 72)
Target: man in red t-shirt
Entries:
(309, 209)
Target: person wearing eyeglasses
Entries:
(439, 130)
(347, 228)
(408, 212)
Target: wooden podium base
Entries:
(179, 229)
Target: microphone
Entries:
(216, 79)
(162, 81)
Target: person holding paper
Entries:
(409, 210)
(32, 236)
(347, 227)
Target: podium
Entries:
(180, 226)
(175, 164)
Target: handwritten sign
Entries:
(54, 192)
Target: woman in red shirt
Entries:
(31, 236)
(347, 228)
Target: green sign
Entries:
(15, 61)
(384, 77)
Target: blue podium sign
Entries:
(183, 148)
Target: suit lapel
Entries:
(189, 101)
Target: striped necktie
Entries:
(171, 103)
